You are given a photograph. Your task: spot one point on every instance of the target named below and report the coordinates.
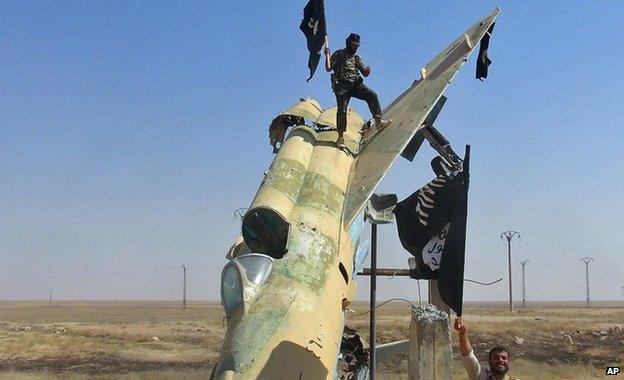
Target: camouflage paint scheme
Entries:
(290, 325)
(306, 185)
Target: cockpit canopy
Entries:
(240, 277)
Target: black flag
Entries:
(432, 227)
(314, 29)
(483, 62)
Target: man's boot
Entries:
(380, 123)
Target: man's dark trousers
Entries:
(359, 91)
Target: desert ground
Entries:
(159, 340)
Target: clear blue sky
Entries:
(131, 131)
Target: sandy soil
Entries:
(159, 340)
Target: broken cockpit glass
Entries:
(265, 231)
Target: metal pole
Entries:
(587, 281)
(184, 288)
(587, 260)
(373, 289)
(435, 298)
(50, 302)
(523, 287)
(509, 266)
(523, 262)
(509, 235)
(390, 272)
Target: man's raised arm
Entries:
(471, 364)
(328, 59)
(464, 343)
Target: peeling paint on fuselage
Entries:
(306, 189)
(311, 256)
(286, 176)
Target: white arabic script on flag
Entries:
(432, 251)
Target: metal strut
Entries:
(442, 146)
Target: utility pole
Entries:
(373, 301)
(523, 262)
(50, 301)
(378, 211)
(587, 260)
(510, 235)
(184, 288)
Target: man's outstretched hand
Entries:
(327, 51)
(459, 326)
(464, 343)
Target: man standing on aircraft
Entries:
(498, 358)
(347, 83)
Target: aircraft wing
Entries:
(408, 112)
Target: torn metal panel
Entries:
(354, 356)
(379, 208)
(309, 109)
(277, 129)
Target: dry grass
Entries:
(79, 340)
(182, 374)
(74, 339)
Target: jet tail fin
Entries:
(408, 113)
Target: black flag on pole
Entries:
(314, 29)
(432, 227)
(483, 61)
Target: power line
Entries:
(509, 235)
(587, 260)
(184, 287)
(523, 262)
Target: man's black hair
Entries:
(353, 37)
(496, 350)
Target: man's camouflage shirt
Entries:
(346, 68)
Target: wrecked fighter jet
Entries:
(290, 276)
